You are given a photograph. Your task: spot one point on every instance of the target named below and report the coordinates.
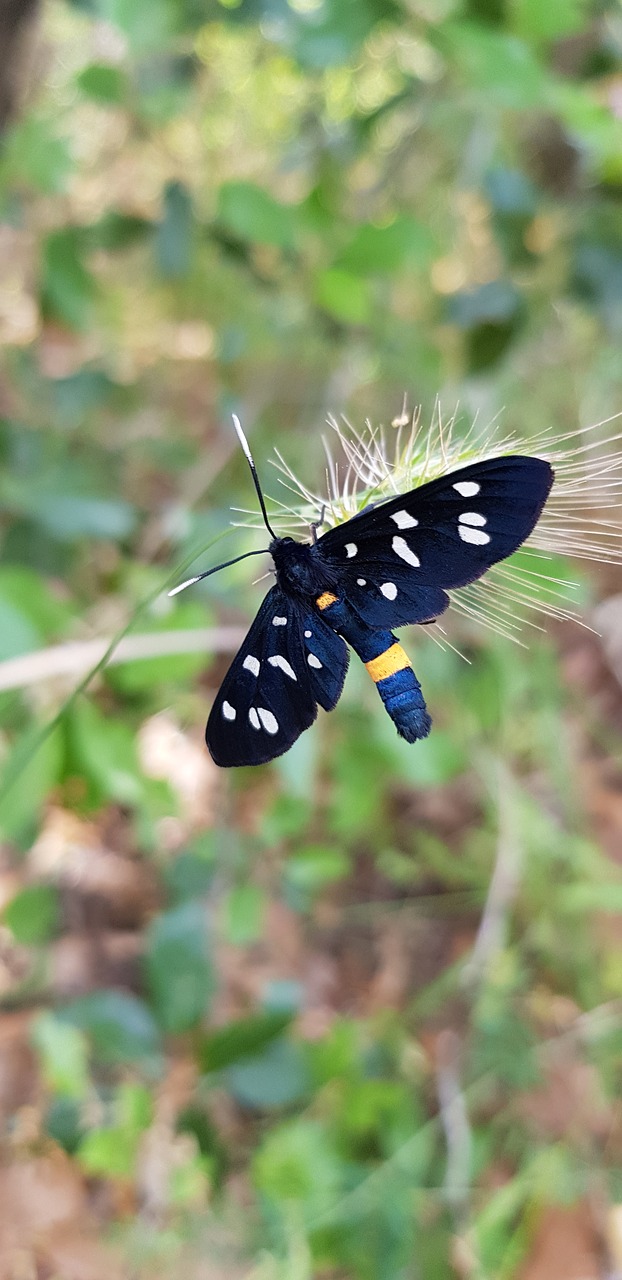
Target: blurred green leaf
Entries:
(109, 1153)
(298, 1161)
(119, 1026)
(190, 874)
(551, 21)
(64, 1123)
(33, 915)
(505, 1046)
(173, 237)
(277, 1077)
(34, 769)
(63, 1053)
(17, 633)
(145, 28)
(515, 204)
(78, 394)
(492, 316)
(179, 967)
(255, 216)
(345, 296)
(577, 899)
(244, 914)
(242, 1039)
(598, 279)
(33, 154)
(102, 751)
(103, 83)
(134, 1106)
(115, 231)
(70, 515)
(329, 34)
(376, 250)
(68, 290)
(27, 592)
(311, 869)
(592, 127)
(498, 66)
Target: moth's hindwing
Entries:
(397, 560)
(271, 690)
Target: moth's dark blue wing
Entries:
(397, 560)
(327, 659)
(288, 663)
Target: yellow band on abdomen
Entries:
(325, 599)
(392, 660)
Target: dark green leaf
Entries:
(190, 875)
(178, 966)
(64, 1123)
(173, 238)
(242, 1039)
(68, 290)
(277, 1077)
(119, 1026)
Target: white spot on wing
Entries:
(401, 548)
(278, 661)
(476, 536)
(269, 722)
(254, 718)
(228, 711)
(361, 582)
(313, 661)
(351, 549)
(251, 664)
(389, 590)
(403, 520)
(279, 622)
(308, 633)
(472, 517)
(467, 488)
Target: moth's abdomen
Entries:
(404, 701)
(399, 688)
(388, 665)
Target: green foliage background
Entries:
(283, 208)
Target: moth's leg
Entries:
(317, 524)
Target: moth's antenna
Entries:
(225, 565)
(249, 458)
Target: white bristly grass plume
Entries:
(578, 522)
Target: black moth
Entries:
(389, 566)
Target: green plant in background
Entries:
(373, 989)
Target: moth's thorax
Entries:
(298, 569)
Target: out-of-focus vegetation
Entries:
(356, 1015)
